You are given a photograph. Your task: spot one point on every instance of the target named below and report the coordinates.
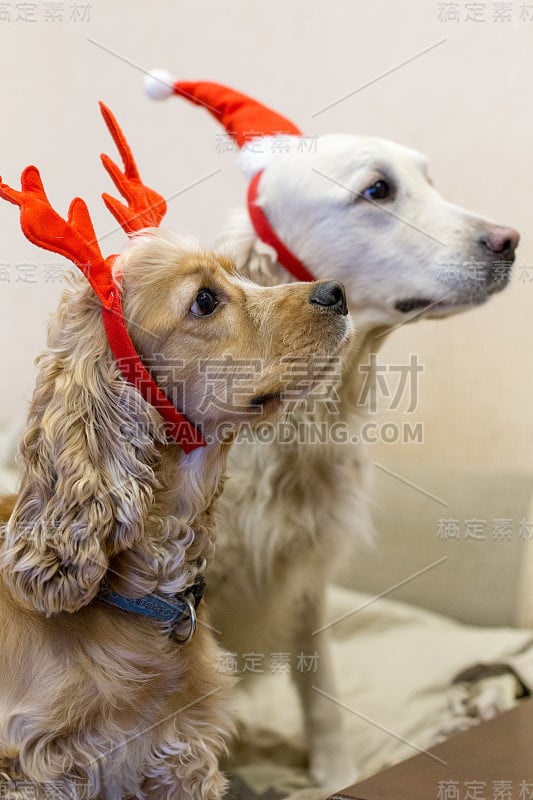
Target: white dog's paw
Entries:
(331, 763)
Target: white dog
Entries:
(361, 210)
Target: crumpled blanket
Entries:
(407, 679)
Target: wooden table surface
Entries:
(493, 761)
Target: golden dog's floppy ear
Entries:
(89, 450)
(87, 469)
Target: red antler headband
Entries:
(245, 119)
(75, 239)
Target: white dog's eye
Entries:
(380, 190)
(205, 303)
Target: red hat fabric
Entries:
(243, 117)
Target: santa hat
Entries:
(247, 121)
(244, 118)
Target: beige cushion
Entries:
(524, 604)
(478, 581)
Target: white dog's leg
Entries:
(331, 763)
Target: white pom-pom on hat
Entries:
(159, 84)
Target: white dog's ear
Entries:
(256, 259)
(87, 480)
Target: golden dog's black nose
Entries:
(331, 295)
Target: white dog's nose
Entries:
(501, 240)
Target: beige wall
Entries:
(467, 104)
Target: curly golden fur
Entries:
(7, 504)
(94, 700)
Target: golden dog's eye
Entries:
(205, 303)
(380, 190)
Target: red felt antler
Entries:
(73, 238)
(146, 208)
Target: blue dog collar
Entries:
(173, 610)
